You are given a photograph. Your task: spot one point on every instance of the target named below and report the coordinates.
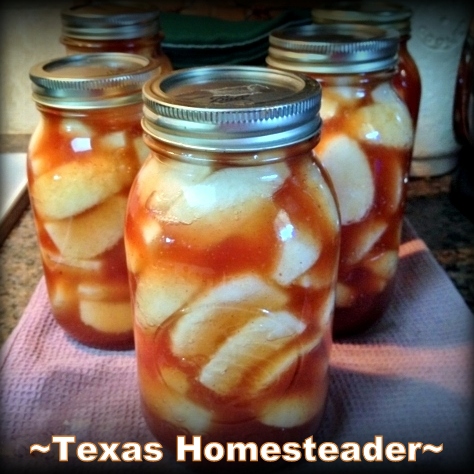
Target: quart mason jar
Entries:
(463, 108)
(232, 239)
(386, 15)
(461, 191)
(82, 159)
(366, 145)
(114, 26)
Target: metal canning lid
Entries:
(110, 20)
(333, 48)
(232, 108)
(382, 14)
(95, 80)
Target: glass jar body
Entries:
(463, 109)
(366, 146)
(233, 263)
(149, 46)
(81, 164)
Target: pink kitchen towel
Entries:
(408, 379)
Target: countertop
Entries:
(438, 220)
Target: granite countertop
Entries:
(447, 232)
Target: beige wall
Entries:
(29, 34)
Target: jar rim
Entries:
(91, 80)
(110, 20)
(367, 12)
(232, 108)
(333, 48)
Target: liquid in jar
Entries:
(232, 255)
(82, 159)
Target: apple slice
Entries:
(385, 94)
(107, 316)
(317, 278)
(383, 265)
(62, 294)
(270, 371)
(225, 189)
(292, 410)
(75, 128)
(363, 241)
(345, 295)
(177, 409)
(387, 124)
(74, 187)
(88, 235)
(175, 379)
(163, 290)
(242, 221)
(141, 149)
(349, 169)
(248, 347)
(151, 230)
(394, 188)
(37, 136)
(55, 261)
(160, 183)
(39, 163)
(333, 98)
(199, 333)
(222, 310)
(314, 178)
(101, 292)
(345, 93)
(114, 141)
(38, 159)
(247, 289)
(329, 107)
(146, 180)
(298, 251)
(151, 233)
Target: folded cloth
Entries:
(200, 31)
(408, 378)
(195, 40)
(249, 54)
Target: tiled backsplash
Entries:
(29, 34)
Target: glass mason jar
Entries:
(461, 191)
(385, 15)
(82, 158)
(232, 238)
(366, 145)
(463, 108)
(114, 26)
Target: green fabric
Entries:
(254, 54)
(191, 40)
(198, 31)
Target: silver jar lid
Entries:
(95, 80)
(333, 48)
(382, 14)
(232, 108)
(110, 20)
